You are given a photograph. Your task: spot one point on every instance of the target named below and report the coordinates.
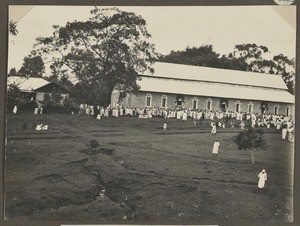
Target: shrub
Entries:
(250, 139)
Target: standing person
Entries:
(216, 147)
(214, 129)
(283, 131)
(164, 126)
(291, 132)
(262, 179)
(15, 110)
(36, 111)
(242, 125)
(184, 115)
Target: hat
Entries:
(263, 171)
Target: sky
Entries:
(172, 28)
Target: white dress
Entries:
(262, 179)
(36, 111)
(184, 116)
(15, 110)
(216, 147)
(214, 129)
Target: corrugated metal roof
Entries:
(209, 89)
(27, 84)
(187, 72)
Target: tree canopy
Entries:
(105, 52)
(244, 57)
(33, 66)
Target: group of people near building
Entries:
(220, 118)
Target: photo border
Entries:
(3, 73)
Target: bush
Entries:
(27, 107)
(251, 139)
(56, 109)
(72, 104)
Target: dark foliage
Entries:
(33, 66)
(16, 98)
(251, 139)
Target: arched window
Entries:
(288, 111)
(209, 104)
(148, 100)
(276, 109)
(195, 103)
(164, 99)
(238, 106)
(250, 107)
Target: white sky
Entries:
(172, 28)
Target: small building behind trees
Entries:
(192, 87)
(37, 88)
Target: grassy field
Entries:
(149, 176)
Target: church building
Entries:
(192, 87)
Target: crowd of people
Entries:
(218, 118)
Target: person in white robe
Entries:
(106, 112)
(212, 116)
(15, 110)
(216, 146)
(184, 116)
(44, 127)
(262, 179)
(116, 112)
(242, 125)
(92, 110)
(165, 126)
(178, 114)
(291, 134)
(214, 129)
(39, 127)
(36, 111)
(283, 132)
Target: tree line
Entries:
(244, 57)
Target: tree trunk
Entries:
(252, 157)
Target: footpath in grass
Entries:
(140, 174)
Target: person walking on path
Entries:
(216, 147)
(262, 178)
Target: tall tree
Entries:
(33, 66)
(107, 51)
